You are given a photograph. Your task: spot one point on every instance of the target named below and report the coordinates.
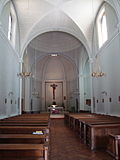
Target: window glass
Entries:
(10, 27)
(102, 27)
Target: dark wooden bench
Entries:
(75, 117)
(79, 125)
(24, 123)
(23, 138)
(28, 117)
(113, 147)
(20, 137)
(23, 129)
(78, 122)
(23, 151)
(93, 129)
(96, 121)
(75, 122)
(97, 135)
(68, 117)
(26, 120)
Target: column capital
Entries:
(20, 60)
(91, 60)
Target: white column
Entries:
(81, 82)
(91, 85)
(27, 95)
(20, 87)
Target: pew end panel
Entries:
(113, 147)
(97, 135)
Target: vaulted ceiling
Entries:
(55, 42)
(40, 49)
(71, 16)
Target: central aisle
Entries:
(66, 146)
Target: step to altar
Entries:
(56, 115)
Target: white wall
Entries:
(108, 86)
(4, 19)
(9, 82)
(9, 67)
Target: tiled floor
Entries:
(66, 146)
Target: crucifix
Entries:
(54, 86)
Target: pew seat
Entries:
(23, 138)
(30, 151)
(23, 129)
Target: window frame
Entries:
(102, 28)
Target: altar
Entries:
(54, 109)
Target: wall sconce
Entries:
(104, 92)
(24, 74)
(35, 93)
(10, 93)
(98, 74)
(97, 70)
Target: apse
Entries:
(53, 58)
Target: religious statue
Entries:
(54, 86)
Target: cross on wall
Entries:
(54, 86)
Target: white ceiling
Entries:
(79, 12)
(55, 42)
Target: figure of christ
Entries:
(54, 86)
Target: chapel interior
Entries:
(59, 81)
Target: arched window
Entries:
(102, 27)
(10, 27)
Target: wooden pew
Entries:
(23, 151)
(27, 120)
(23, 129)
(24, 123)
(78, 121)
(23, 138)
(31, 115)
(38, 117)
(113, 147)
(79, 124)
(97, 135)
(93, 128)
(68, 116)
(73, 119)
(96, 121)
(17, 138)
